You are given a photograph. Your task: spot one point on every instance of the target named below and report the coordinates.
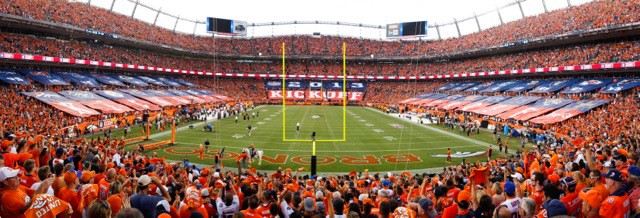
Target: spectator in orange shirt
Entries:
(591, 201)
(28, 178)
(16, 199)
(69, 193)
(617, 204)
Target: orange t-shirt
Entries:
(249, 213)
(538, 197)
(115, 201)
(242, 156)
(263, 210)
(615, 206)
(103, 189)
(450, 212)
(14, 200)
(27, 181)
(71, 197)
(186, 213)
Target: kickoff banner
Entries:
(587, 85)
(542, 106)
(501, 86)
(168, 81)
(506, 105)
(186, 83)
(482, 103)
(444, 100)
(128, 100)
(480, 87)
(553, 86)
(461, 102)
(131, 80)
(185, 95)
(151, 81)
(569, 111)
(106, 79)
(79, 78)
(315, 95)
(447, 87)
(45, 77)
(11, 77)
(464, 86)
(206, 98)
(169, 97)
(429, 98)
(527, 85)
(61, 103)
(149, 97)
(94, 101)
(414, 99)
(621, 85)
(216, 96)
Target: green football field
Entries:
(374, 140)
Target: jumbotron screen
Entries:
(225, 26)
(407, 29)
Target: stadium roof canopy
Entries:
(341, 17)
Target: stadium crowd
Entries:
(560, 56)
(583, 17)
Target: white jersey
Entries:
(513, 204)
(286, 209)
(225, 211)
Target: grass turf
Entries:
(374, 141)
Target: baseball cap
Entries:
(569, 181)
(6, 173)
(634, 171)
(614, 175)
(555, 207)
(205, 192)
(70, 177)
(427, 205)
(510, 188)
(309, 204)
(386, 183)
(518, 176)
(144, 180)
(87, 175)
(592, 197)
(466, 196)
(216, 175)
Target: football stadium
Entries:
(265, 109)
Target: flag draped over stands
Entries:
(149, 97)
(45, 77)
(447, 87)
(587, 85)
(569, 111)
(61, 103)
(169, 97)
(151, 81)
(527, 85)
(214, 95)
(461, 102)
(11, 77)
(79, 78)
(168, 81)
(46, 206)
(185, 95)
(204, 97)
(127, 100)
(482, 103)
(464, 86)
(94, 101)
(621, 85)
(130, 80)
(415, 98)
(443, 100)
(553, 86)
(482, 86)
(501, 86)
(542, 106)
(506, 105)
(186, 83)
(105, 79)
(429, 98)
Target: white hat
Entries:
(216, 175)
(204, 192)
(6, 172)
(144, 180)
(518, 176)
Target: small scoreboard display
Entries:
(407, 29)
(226, 27)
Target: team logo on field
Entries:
(459, 154)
